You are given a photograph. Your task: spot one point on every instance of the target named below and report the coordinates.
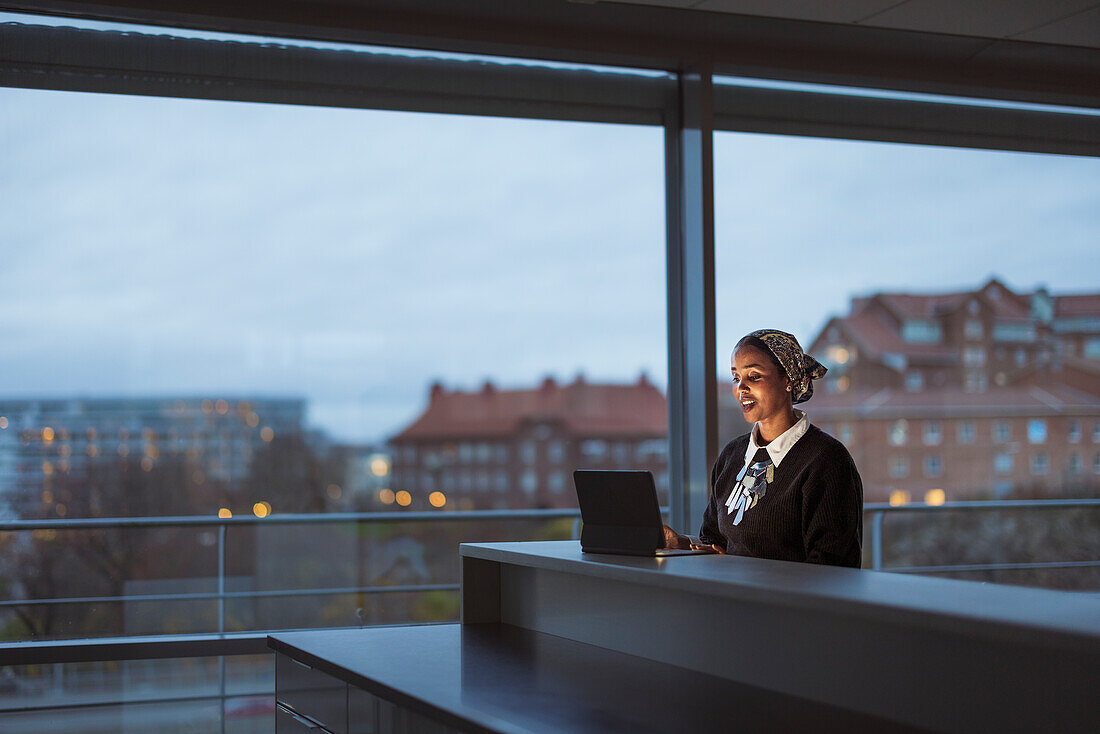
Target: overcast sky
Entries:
(163, 246)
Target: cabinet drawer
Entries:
(315, 695)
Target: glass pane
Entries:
(231, 310)
(952, 294)
(177, 695)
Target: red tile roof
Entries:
(875, 337)
(596, 410)
(1077, 305)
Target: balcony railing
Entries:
(886, 527)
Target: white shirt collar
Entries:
(778, 448)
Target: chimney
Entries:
(437, 391)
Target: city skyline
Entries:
(169, 246)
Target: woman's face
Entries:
(759, 385)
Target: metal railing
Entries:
(224, 643)
(878, 512)
(875, 511)
(223, 524)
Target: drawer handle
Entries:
(300, 718)
(299, 663)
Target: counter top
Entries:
(498, 678)
(995, 611)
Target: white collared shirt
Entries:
(778, 448)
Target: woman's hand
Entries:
(711, 547)
(675, 540)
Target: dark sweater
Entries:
(812, 511)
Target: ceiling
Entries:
(1062, 22)
(1042, 51)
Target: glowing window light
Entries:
(403, 498)
(222, 407)
(267, 434)
(225, 513)
(899, 497)
(935, 497)
(437, 499)
(386, 496)
(380, 467)
(47, 434)
(3, 422)
(261, 509)
(334, 491)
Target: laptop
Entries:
(620, 514)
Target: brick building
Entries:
(499, 449)
(986, 393)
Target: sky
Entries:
(351, 257)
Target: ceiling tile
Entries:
(985, 18)
(829, 12)
(1082, 29)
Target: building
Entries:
(970, 395)
(495, 448)
(41, 439)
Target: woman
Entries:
(786, 490)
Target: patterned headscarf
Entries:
(801, 368)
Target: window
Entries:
(651, 449)
(465, 453)
(556, 481)
(1021, 358)
(899, 467)
(1092, 348)
(1096, 432)
(933, 466)
(1096, 464)
(528, 452)
(899, 432)
(1002, 432)
(966, 432)
(933, 433)
(1011, 332)
(529, 481)
(973, 329)
(1002, 463)
(501, 453)
(484, 453)
(914, 381)
(920, 331)
(1075, 464)
(973, 356)
(1074, 435)
(594, 449)
(500, 480)
(1036, 430)
(1039, 464)
(555, 452)
(844, 432)
(976, 381)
